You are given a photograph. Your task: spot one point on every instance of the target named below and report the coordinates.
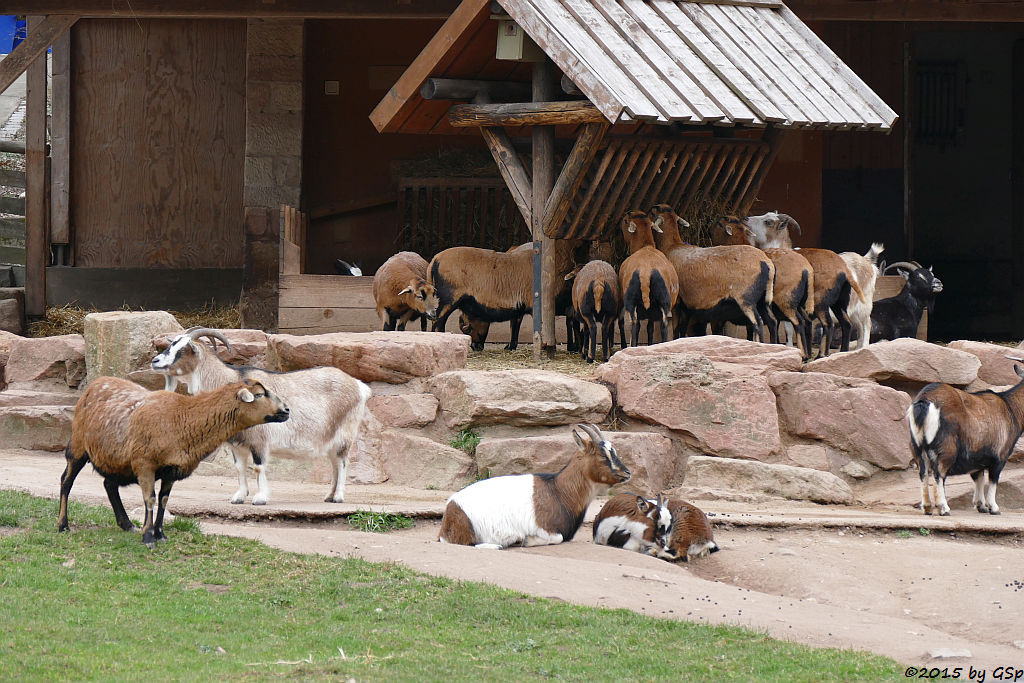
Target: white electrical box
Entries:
(515, 45)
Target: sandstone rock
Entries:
(727, 414)
(905, 359)
(35, 427)
(412, 460)
(60, 359)
(393, 357)
(6, 339)
(722, 349)
(118, 342)
(12, 309)
(865, 420)
(996, 369)
(364, 464)
(404, 410)
(811, 456)
(794, 483)
(858, 469)
(518, 397)
(650, 457)
(28, 397)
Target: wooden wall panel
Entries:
(158, 126)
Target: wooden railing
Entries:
(12, 230)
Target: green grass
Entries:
(465, 440)
(95, 604)
(378, 522)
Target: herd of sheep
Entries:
(752, 277)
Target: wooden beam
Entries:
(908, 10)
(60, 136)
(568, 183)
(466, 89)
(36, 248)
(402, 98)
(35, 44)
(525, 114)
(544, 84)
(236, 9)
(511, 168)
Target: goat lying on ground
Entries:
(632, 522)
(690, 535)
(135, 436)
(957, 432)
(533, 509)
(327, 407)
(899, 316)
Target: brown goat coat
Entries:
(625, 505)
(729, 230)
(406, 269)
(689, 526)
(643, 262)
(595, 279)
(132, 435)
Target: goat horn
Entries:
(1019, 360)
(592, 431)
(211, 334)
(790, 219)
(908, 264)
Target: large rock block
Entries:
(784, 481)
(727, 413)
(59, 359)
(904, 360)
(365, 466)
(404, 410)
(650, 457)
(865, 420)
(518, 397)
(996, 369)
(412, 460)
(35, 427)
(12, 309)
(119, 342)
(721, 349)
(6, 340)
(393, 357)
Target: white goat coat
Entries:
(501, 510)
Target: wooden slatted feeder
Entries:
(650, 92)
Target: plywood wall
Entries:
(158, 141)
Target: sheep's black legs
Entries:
(114, 495)
(592, 340)
(165, 493)
(67, 480)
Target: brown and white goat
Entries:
(596, 298)
(135, 436)
(689, 536)
(717, 284)
(533, 509)
(402, 292)
(647, 279)
(770, 230)
(958, 432)
(632, 522)
(864, 269)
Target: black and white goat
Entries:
(898, 316)
(327, 410)
(632, 522)
(346, 268)
(957, 432)
(533, 509)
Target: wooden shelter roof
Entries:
(699, 62)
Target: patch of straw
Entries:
(70, 319)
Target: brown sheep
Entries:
(402, 292)
(793, 303)
(649, 284)
(833, 288)
(135, 436)
(596, 297)
(717, 284)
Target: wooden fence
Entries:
(12, 226)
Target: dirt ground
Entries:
(880, 576)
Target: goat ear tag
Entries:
(245, 396)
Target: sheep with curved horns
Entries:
(632, 522)
(647, 279)
(533, 509)
(135, 436)
(402, 293)
(327, 404)
(958, 432)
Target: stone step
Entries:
(16, 397)
(36, 427)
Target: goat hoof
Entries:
(944, 513)
(237, 500)
(994, 512)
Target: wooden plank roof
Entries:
(699, 62)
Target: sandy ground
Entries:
(878, 576)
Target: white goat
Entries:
(865, 272)
(533, 509)
(135, 436)
(328, 407)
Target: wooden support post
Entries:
(511, 168)
(60, 138)
(42, 31)
(569, 179)
(544, 85)
(36, 249)
(524, 114)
